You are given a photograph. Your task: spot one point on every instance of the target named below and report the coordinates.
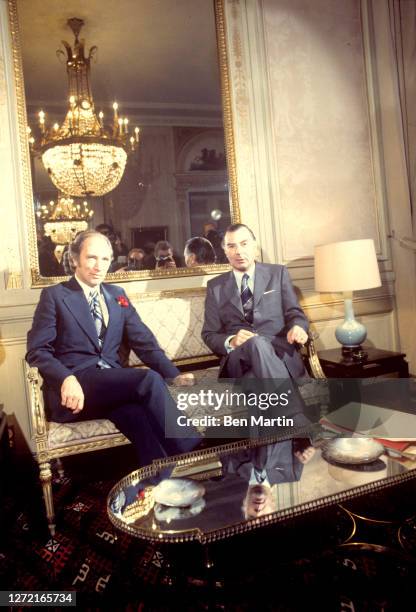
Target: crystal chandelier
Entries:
(64, 219)
(82, 156)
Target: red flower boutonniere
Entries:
(122, 301)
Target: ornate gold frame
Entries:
(41, 281)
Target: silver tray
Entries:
(352, 450)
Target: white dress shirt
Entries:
(238, 275)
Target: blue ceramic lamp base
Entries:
(351, 333)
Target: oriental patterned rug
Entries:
(297, 566)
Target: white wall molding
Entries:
(395, 170)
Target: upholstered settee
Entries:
(176, 319)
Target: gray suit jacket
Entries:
(278, 460)
(276, 310)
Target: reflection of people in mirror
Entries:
(274, 463)
(265, 466)
(208, 227)
(212, 234)
(106, 230)
(48, 263)
(164, 255)
(198, 252)
(135, 260)
(259, 500)
(149, 260)
(120, 250)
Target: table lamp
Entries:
(347, 266)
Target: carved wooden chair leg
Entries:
(60, 467)
(46, 480)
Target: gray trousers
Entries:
(256, 358)
(259, 369)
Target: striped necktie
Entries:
(97, 316)
(260, 475)
(247, 299)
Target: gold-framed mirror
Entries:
(165, 63)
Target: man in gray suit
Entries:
(253, 319)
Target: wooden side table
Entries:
(377, 363)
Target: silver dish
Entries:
(352, 450)
(179, 492)
(176, 513)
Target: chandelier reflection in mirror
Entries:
(82, 156)
(64, 219)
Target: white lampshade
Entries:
(346, 266)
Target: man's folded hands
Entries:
(241, 336)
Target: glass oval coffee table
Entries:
(217, 493)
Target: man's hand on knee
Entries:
(305, 455)
(297, 334)
(72, 395)
(186, 379)
(241, 336)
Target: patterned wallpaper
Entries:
(320, 132)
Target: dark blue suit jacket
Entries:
(63, 339)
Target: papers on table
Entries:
(393, 429)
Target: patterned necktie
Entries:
(97, 315)
(247, 299)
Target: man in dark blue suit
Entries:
(77, 331)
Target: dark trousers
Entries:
(138, 402)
